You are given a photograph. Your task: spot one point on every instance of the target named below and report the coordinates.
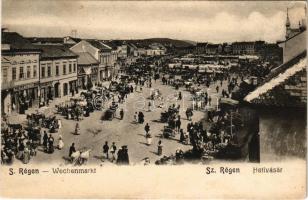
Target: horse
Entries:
(84, 156)
(75, 157)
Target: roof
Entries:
(85, 58)
(132, 45)
(75, 39)
(113, 43)
(56, 51)
(51, 40)
(99, 45)
(278, 76)
(243, 43)
(141, 45)
(46, 39)
(17, 42)
(212, 45)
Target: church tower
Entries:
(288, 25)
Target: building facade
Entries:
(240, 48)
(88, 68)
(58, 73)
(20, 73)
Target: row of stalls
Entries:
(79, 107)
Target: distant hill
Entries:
(191, 42)
(167, 42)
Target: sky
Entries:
(202, 21)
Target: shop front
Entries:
(46, 93)
(24, 97)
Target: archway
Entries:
(65, 89)
(57, 88)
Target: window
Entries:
(4, 75)
(21, 72)
(28, 72)
(74, 67)
(14, 73)
(70, 68)
(43, 72)
(34, 71)
(49, 70)
(64, 69)
(57, 70)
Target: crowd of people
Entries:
(111, 153)
(17, 142)
(22, 142)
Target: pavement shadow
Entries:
(153, 152)
(67, 159)
(101, 158)
(172, 138)
(94, 131)
(157, 121)
(141, 134)
(144, 143)
(41, 150)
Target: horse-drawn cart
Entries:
(168, 132)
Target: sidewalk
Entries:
(16, 118)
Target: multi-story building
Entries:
(87, 70)
(131, 48)
(227, 48)
(99, 52)
(120, 46)
(239, 48)
(211, 49)
(109, 56)
(58, 72)
(281, 99)
(20, 73)
(201, 48)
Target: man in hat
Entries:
(121, 114)
(113, 150)
(72, 150)
(147, 128)
(106, 149)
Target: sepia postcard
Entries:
(153, 99)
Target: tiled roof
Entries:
(55, 51)
(99, 45)
(278, 76)
(84, 58)
(17, 42)
(113, 43)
